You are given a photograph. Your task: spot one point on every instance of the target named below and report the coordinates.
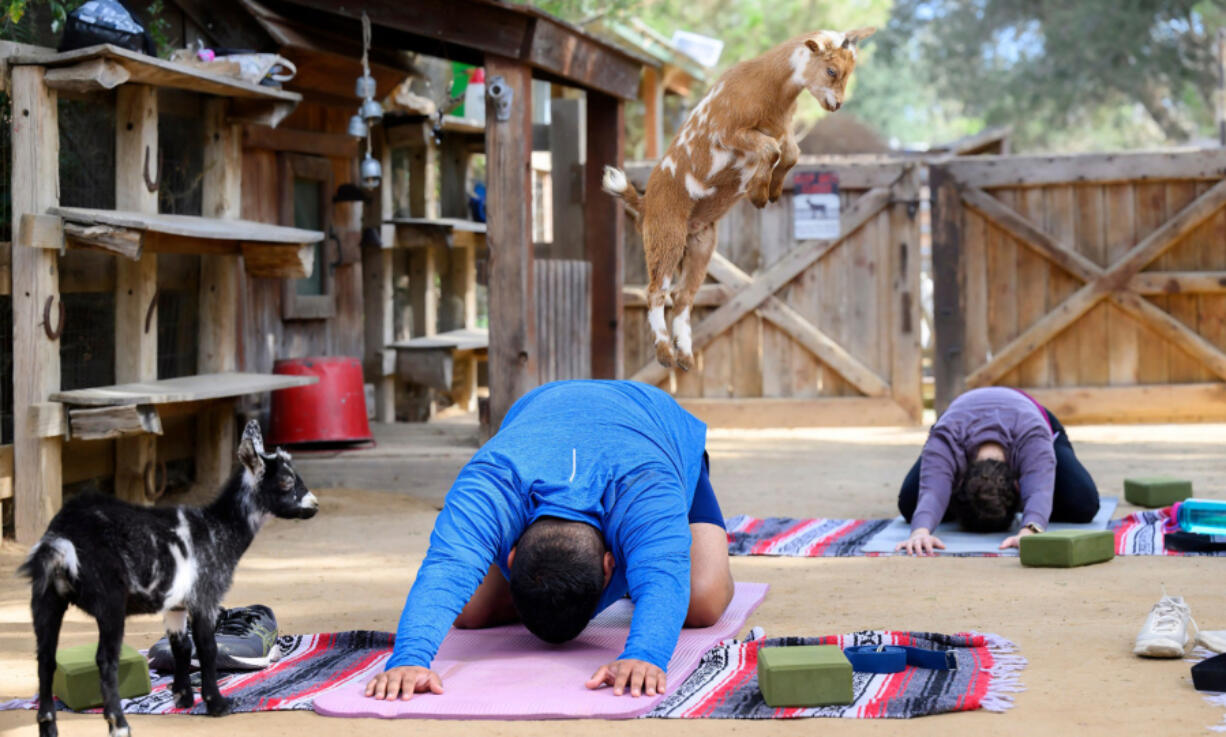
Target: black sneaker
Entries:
(246, 640)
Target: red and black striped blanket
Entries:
(1140, 533)
(723, 687)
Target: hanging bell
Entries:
(371, 111)
(365, 87)
(357, 127)
(370, 172)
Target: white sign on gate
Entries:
(815, 205)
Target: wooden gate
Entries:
(801, 332)
(1097, 282)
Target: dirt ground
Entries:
(351, 566)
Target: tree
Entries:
(1051, 67)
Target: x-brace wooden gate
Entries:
(1096, 282)
(803, 332)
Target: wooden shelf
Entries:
(272, 251)
(105, 67)
(182, 389)
(474, 339)
(444, 232)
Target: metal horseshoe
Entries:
(53, 333)
(153, 303)
(152, 184)
(153, 492)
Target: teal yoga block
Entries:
(1156, 491)
(76, 676)
(806, 675)
(1068, 548)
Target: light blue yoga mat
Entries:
(959, 541)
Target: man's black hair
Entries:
(987, 499)
(557, 577)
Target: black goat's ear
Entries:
(251, 449)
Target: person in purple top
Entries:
(993, 453)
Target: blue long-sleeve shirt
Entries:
(621, 456)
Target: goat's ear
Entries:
(851, 38)
(814, 46)
(251, 449)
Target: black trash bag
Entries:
(105, 22)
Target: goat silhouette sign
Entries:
(815, 206)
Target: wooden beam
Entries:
(1154, 283)
(336, 145)
(433, 369)
(423, 270)
(1166, 235)
(1028, 233)
(104, 423)
(803, 332)
(37, 467)
(378, 295)
(136, 319)
(1173, 330)
(797, 412)
(116, 241)
(40, 231)
(279, 262)
(709, 295)
(49, 420)
(766, 284)
(568, 152)
(949, 283)
(94, 75)
(1132, 404)
(652, 94)
(1036, 171)
(856, 172)
(217, 331)
(6, 472)
(903, 301)
(603, 229)
(508, 145)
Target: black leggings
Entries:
(1075, 498)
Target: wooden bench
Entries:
(446, 362)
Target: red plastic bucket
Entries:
(331, 411)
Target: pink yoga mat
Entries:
(507, 673)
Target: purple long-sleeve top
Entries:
(989, 415)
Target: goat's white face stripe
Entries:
(695, 188)
(831, 98)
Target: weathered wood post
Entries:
(37, 470)
(217, 333)
(136, 320)
(508, 147)
(603, 226)
(948, 281)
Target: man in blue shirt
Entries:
(589, 491)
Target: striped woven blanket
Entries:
(725, 686)
(1140, 533)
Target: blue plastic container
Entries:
(1203, 516)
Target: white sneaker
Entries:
(1165, 634)
(1214, 640)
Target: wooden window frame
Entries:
(296, 306)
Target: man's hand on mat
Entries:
(921, 542)
(1016, 540)
(641, 677)
(404, 681)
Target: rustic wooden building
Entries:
(208, 231)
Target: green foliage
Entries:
(159, 28)
(50, 14)
(1065, 74)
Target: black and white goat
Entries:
(113, 559)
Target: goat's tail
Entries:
(51, 560)
(617, 184)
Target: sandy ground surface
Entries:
(350, 567)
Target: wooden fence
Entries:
(563, 319)
(794, 332)
(1097, 282)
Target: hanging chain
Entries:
(366, 63)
